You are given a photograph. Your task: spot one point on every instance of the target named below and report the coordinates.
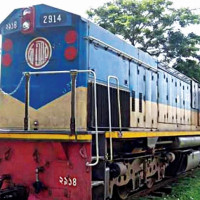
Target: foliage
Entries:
(154, 26)
(187, 188)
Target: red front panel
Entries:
(64, 173)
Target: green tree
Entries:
(155, 27)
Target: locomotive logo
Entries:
(38, 53)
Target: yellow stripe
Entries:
(150, 134)
(43, 136)
(127, 135)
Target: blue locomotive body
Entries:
(159, 95)
(70, 83)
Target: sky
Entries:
(75, 6)
(80, 6)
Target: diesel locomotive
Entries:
(85, 115)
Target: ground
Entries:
(187, 188)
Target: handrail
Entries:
(110, 112)
(95, 102)
(27, 103)
(117, 51)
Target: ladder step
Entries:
(97, 183)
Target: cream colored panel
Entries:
(169, 114)
(174, 115)
(134, 115)
(154, 114)
(188, 116)
(141, 115)
(194, 117)
(182, 113)
(178, 113)
(137, 118)
(184, 120)
(151, 115)
(148, 115)
(11, 112)
(55, 115)
(199, 118)
(174, 127)
(162, 113)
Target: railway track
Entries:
(162, 188)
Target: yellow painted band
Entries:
(150, 134)
(44, 136)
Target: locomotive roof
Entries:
(42, 6)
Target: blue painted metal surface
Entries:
(44, 88)
(104, 62)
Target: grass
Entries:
(187, 188)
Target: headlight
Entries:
(26, 11)
(26, 25)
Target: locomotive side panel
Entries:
(134, 95)
(107, 63)
(179, 102)
(187, 104)
(194, 103)
(109, 51)
(154, 98)
(169, 98)
(148, 89)
(162, 97)
(174, 100)
(141, 96)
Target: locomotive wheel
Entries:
(121, 193)
(150, 182)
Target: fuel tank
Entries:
(193, 160)
(184, 142)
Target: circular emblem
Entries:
(38, 53)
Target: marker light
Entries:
(26, 25)
(7, 45)
(71, 37)
(6, 60)
(70, 53)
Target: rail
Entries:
(73, 74)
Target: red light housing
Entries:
(7, 45)
(71, 37)
(6, 60)
(70, 53)
(28, 20)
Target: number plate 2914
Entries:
(53, 18)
